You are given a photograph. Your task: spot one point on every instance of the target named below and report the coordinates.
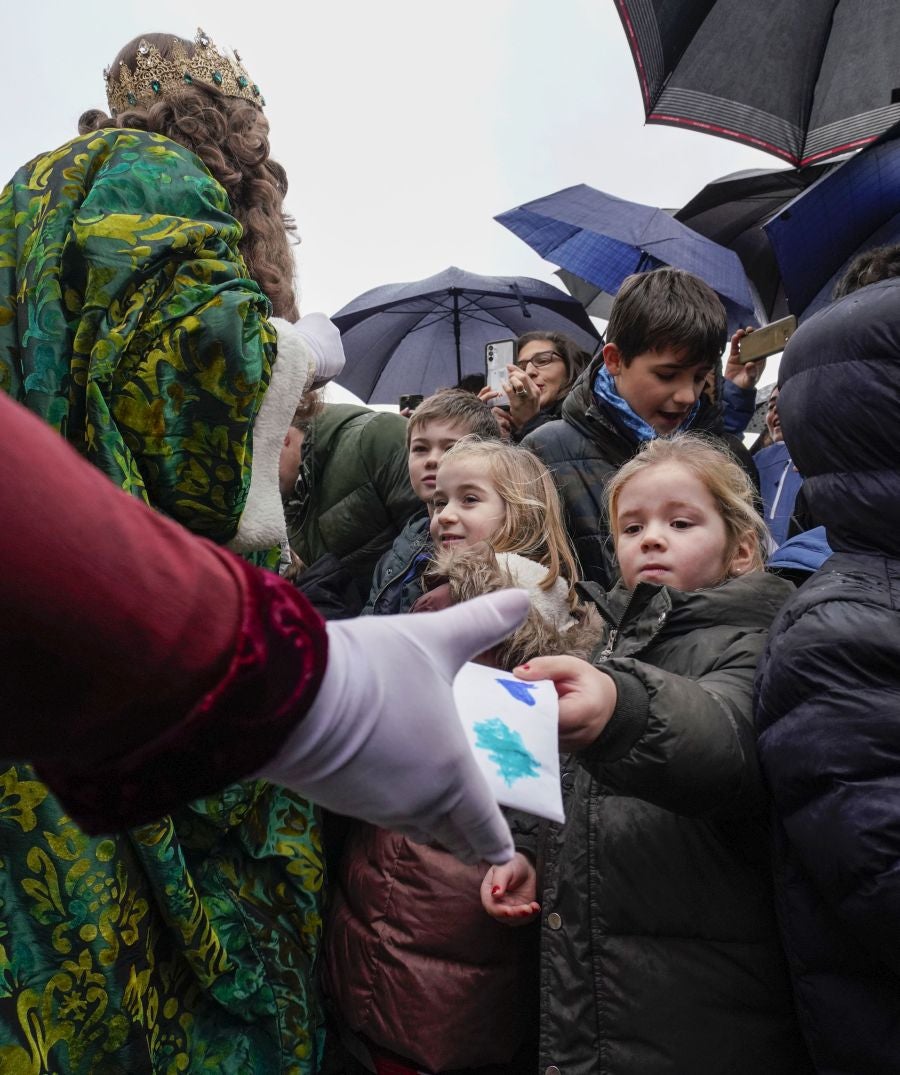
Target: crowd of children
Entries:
(647, 939)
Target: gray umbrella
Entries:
(803, 79)
(428, 334)
(758, 422)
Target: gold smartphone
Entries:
(768, 340)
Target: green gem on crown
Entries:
(217, 77)
(131, 99)
(155, 86)
(242, 82)
(255, 89)
(186, 78)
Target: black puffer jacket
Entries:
(585, 449)
(552, 413)
(828, 705)
(659, 947)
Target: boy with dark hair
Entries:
(666, 332)
(434, 426)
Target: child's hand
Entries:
(744, 374)
(587, 697)
(508, 892)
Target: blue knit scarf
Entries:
(605, 392)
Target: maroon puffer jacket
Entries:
(413, 962)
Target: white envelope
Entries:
(512, 727)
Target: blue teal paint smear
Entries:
(519, 689)
(506, 750)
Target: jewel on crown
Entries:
(154, 77)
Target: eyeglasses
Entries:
(539, 360)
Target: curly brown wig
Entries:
(230, 136)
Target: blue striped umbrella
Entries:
(850, 210)
(602, 239)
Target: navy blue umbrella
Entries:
(428, 334)
(850, 210)
(602, 239)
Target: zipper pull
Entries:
(610, 643)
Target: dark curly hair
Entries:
(879, 263)
(230, 136)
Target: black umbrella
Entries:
(803, 79)
(428, 334)
(732, 210)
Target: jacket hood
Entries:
(839, 404)
(328, 425)
(803, 552)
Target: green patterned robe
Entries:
(128, 322)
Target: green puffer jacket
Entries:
(585, 449)
(353, 496)
(659, 948)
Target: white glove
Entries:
(317, 337)
(323, 338)
(383, 741)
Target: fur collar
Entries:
(552, 604)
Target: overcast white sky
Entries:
(404, 126)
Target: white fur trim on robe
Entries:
(262, 523)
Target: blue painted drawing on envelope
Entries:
(506, 750)
(520, 690)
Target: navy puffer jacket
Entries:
(828, 690)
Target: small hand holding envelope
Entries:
(512, 727)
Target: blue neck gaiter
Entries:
(605, 392)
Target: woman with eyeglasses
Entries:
(547, 365)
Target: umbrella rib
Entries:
(815, 81)
(468, 315)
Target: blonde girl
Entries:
(418, 975)
(496, 521)
(659, 950)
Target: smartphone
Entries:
(768, 340)
(411, 401)
(497, 356)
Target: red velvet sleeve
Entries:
(143, 667)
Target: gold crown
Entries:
(154, 77)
